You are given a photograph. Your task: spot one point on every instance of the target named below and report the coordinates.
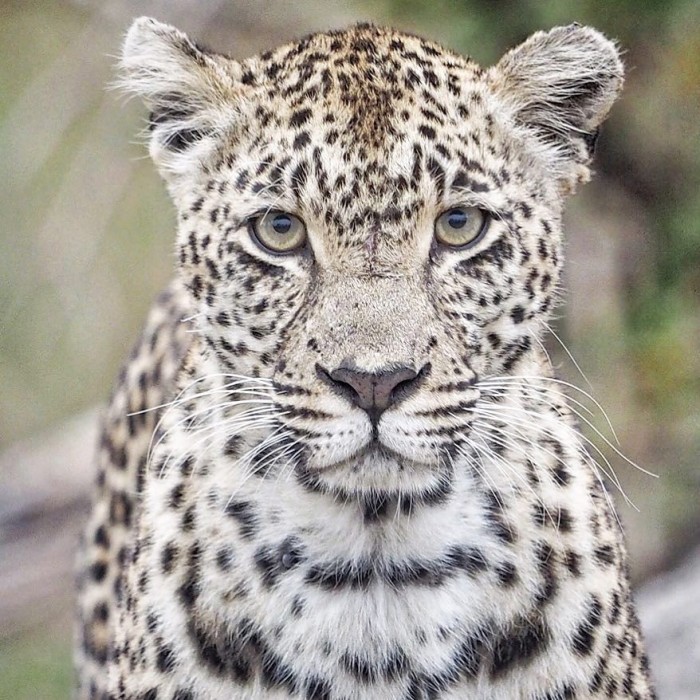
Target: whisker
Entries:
(507, 441)
(517, 379)
(204, 434)
(492, 414)
(180, 398)
(568, 352)
(595, 467)
(607, 442)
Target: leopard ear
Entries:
(559, 85)
(191, 93)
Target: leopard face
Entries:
(373, 328)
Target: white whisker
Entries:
(494, 380)
(568, 352)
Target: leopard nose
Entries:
(374, 391)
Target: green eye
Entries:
(278, 232)
(461, 226)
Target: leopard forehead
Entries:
(379, 96)
(367, 82)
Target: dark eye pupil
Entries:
(456, 218)
(282, 223)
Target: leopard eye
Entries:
(278, 232)
(461, 226)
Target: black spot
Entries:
(300, 117)
(181, 694)
(525, 209)
(264, 463)
(244, 513)
(188, 519)
(235, 652)
(341, 574)
(604, 554)
(525, 638)
(299, 177)
(615, 608)
(584, 636)
(165, 659)
(560, 474)
(507, 574)
(514, 351)
(363, 572)
(563, 520)
(101, 537)
(274, 561)
(503, 530)
(98, 571)
(275, 673)
(267, 562)
(248, 78)
(225, 558)
(374, 506)
(168, 557)
(546, 560)
(469, 656)
(317, 689)
(572, 561)
(469, 559)
(437, 172)
(435, 494)
(494, 340)
(233, 445)
(566, 692)
(176, 496)
(359, 667)
(189, 590)
(187, 466)
(101, 612)
(517, 314)
(297, 607)
(428, 132)
(300, 140)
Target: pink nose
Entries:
(372, 391)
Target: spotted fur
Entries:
(257, 533)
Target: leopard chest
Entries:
(265, 583)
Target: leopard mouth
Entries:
(377, 469)
(376, 449)
(377, 454)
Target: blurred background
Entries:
(87, 237)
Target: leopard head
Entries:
(371, 222)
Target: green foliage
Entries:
(35, 668)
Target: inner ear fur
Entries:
(560, 85)
(191, 93)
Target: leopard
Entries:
(339, 464)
